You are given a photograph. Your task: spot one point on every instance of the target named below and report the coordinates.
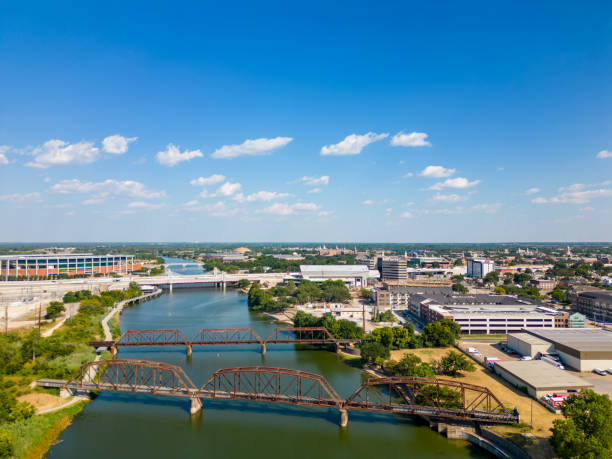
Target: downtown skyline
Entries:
(320, 124)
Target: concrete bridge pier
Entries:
(170, 288)
(343, 417)
(189, 350)
(113, 351)
(65, 392)
(196, 405)
(263, 348)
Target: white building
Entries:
(479, 268)
(352, 275)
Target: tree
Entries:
(500, 290)
(412, 365)
(459, 288)
(491, 278)
(7, 448)
(54, 309)
(373, 352)
(453, 363)
(586, 430)
(442, 396)
(441, 333)
(364, 293)
(308, 291)
(243, 283)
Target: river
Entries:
(133, 426)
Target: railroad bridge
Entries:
(436, 398)
(224, 336)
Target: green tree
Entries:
(491, 278)
(7, 448)
(243, 283)
(308, 291)
(373, 352)
(442, 333)
(412, 365)
(459, 288)
(444, 397)
(364, 293)
(500, 290)
(586, 430)
(54, 310)
(453, 363)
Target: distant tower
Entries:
(569, 251)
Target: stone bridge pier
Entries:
(196, 405)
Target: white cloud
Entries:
(93, 201)
(109, 187)
(436, 172)
(575, 197)
(488, 208)
(260, 196)
(228, 189)
(588, 209)
(315, 181)
(352, 144)
(18, 197)
(172, 156)
(388, 211)
(532, 191)
(3, 150)
(58, 152)
(414, 139)
(70, 213)
(407, 214)
(407, 175)
(205, 181)
(252, 147)
(457, 182)
(281, 208)
(448, 197)
(145, 205)
(455, 211)
(326, 213)
(314, 190)
(368, 202)
(117, 144)
(603, 154)
(574, 187)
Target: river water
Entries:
(133, 426)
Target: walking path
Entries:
(108, 336)
(71, 310)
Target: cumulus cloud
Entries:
(228, 189)
(18, 197)
(145, 205)
(603, 154)
(407, 214)
(407, 175)
(325, 213)
(172, 156)
(260, 196)
(532, 191)
(314, 190)
(414, 139)
(251, 147)
(109, 187)
(57, 152)
(368, 202)
(448, 197)
(315, 181)
(575, 196)
(281, 208)
(205, 181)
(352, 144)
(3, 150)
(436, 172)
(117, 144)
(457, 182)
(455, 211)
(488, 208)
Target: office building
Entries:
(352, 275)
(44, 265)
(479, 268)
(394, 269)
(596, 305)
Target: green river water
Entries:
(134, 426)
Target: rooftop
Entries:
(541, 375)
(526, 337)
(331, 270)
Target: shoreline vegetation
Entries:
(26, 356)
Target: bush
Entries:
(373, 352)
(7, 445)
(54, 310)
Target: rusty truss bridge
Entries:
(224, 336)
(436, 398)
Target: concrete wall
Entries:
(526, 348)
(583, 365)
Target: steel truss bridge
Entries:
(436, 398)
(224, 336)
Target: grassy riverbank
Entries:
(34, 437)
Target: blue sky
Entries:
(398, 122)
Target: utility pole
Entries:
(364, 323)
(39, 315)
(6, 319)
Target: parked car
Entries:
(526, 357)
(599, 371)
(472, 350)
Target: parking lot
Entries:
(601, 384)
(487, 350)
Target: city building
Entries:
(544, 285)
(582, 349)
(479, 268)
(429, 262)
(394, 269)
(538, 377)
(596, 305)
(352, 275)
(485, 314)
(44, 265)
(576, 320)
(288, 257)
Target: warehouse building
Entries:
(44, 265)
(352, 275)
(582, 349)
(539, 378)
